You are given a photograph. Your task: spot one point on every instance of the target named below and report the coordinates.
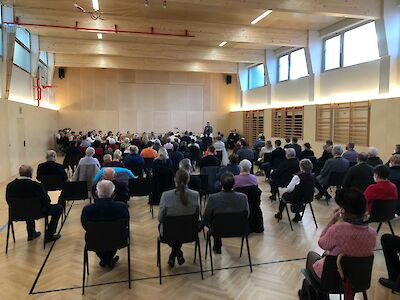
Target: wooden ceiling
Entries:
(208, 22)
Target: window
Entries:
(43, 57)
(253, 122)
(22, 55)
(293, 65)
(256, 76)
(351, 47)
(287, 122)
(23, 37)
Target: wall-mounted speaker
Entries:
(228, 79)
(61, 73)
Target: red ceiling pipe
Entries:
(186, 34)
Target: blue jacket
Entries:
(119, 172)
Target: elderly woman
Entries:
(347, 232)
(87, 168)
(245, 178)
(299, 185)
(373, 158)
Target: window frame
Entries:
(248, 76)
(289, 54)
(27, 49)
(41, 61)
(341, 34)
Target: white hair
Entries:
(290, 153)
(107, 157)
(51, 155)
(117, 154)
(372, 152)
(185, 164)
(90, 151)
(112, 141)
(337, 150)
(133, 149)
(245, 165)
(105, 189)
(163, 154)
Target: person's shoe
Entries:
(180, 258)
(297, 218)
(102, 264)
(171, 260)
(113, 262)
(217, 250)
(318, 196)
(389, 284)
(34, 236)
(272, 197)
(278, 216)
(52, 238)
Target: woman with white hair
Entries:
(373, 158)
(87, 168)
(245, 178)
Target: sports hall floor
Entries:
(278, 254)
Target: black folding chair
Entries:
(25, 209)
(229, 225)
(219, 155)
(52, 182)
(73, 190)
(335, 180)
(106, 236)
(179, 230)
(140, 187)
(204, 189)
(148, 166)
(356, 270)
(383, 211)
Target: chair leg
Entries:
(195, 252)
(129, 265)
(8, 235)
(379, 227)
(365, 296)
(312, 211)
(207, 240)
(12, 231)
(212, 267)
(159, 259)
(248, 253)
(241, 247)
(391, 228)
(201, 264)
(46, 225)
(287, 212)
(84, 271)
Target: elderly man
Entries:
(373, 158)
(245, 152)
(282, 176)
(361, 175)
(245, 178)
(51, 168)
(133, 161)
(121, 193)
(107, 160)
(87, 168)
(105, 209)
(226, 201)
(351, 155)
(337, 164)
(24, 187)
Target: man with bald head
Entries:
(121, 192)
(24, 187)
(51, 167)
(105, 209)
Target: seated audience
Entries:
(351, 155)
(282, 176)
(245, 178)
(105, 209)
(51, 168)
(288, 143)
(149, 152)
(337, 164)
(245, 152)
(194, 182)
(168, 146)
(391, 249)
(107, 160)
(122, 174)
(72, 156)
(278, 155)
(112, 145)
(296, 147)
(373, 158)
(24, 187)
(184, 149)
(163, 175)
(346, 233)
(133, 161)
(260, 142)
(297, 186)
(268, 148)
(117, 159)
(121, 192)
(394, 164)
(327, 153)
(210, 160)
(383, 189)
(87, 168)
(361, 175)
(176, 156)
(219, 146)
(307, 152)
(157, 144)
(226, 201)
(232, 167)
(180, 201)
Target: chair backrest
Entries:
(180, 229)
(211, 173)
(74, 190)
(204, 183)
(137, 170)
(52, 182)
(352, 164)
(219, 155)
(107, 235)
(25, 209)
(141, 186)
(357, 270)
(336, 178)
(383, 210)
(267, 157)
(148, 163)
(226, 225)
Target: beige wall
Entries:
(138, 101)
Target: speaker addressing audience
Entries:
(180, 201)
(24, 187)
(105, 209)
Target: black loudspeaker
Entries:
(228, 79)
(61, 73)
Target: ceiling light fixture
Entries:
(100, 36)
(223, 43)
(96, 5)
(259, 18)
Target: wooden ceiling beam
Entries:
(113, 62)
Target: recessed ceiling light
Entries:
(259, 18)
(95, 4)
(223, 43)
(100, 36)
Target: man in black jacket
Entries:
(361, 175)
(296, 147)
(121, 190)
(282, 176)
(51, 168)
(25, 187)
(105, 209)
(278, 155)
(210, 160)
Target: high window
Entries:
(22, 49)
(256, 76)
(293, 65)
